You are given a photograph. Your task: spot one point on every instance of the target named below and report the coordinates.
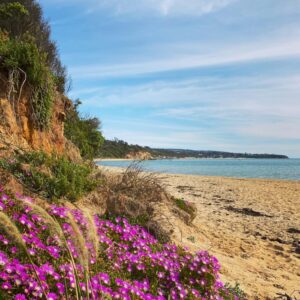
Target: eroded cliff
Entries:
(17, 128)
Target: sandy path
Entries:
(251, 225)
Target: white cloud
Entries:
(257, 51)
(162, 7)
(287, 129)
(250, 107)
(248, 92)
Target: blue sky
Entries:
(198, 74)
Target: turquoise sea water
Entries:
(244, 168)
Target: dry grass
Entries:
(11, 230)
(92, 234)
(53, 226)
(78, 240)
(137, 195)
(138, 184)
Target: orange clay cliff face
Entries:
(17, 130)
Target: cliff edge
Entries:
(17, 128)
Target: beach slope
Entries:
(251, 225)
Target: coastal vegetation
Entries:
(185, 206)
(29, 59)
(23, 22)
(80, 234)
(30, 66)
(51, 176)
(120, 149)
(22, 62)
(83, 132)
(61, 253)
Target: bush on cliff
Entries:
(83, 132)
(29, 61)
(51, 176)
(60, 253)
(25, 17)
(23, 64)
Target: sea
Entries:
(288, 169)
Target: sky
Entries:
(197, 74)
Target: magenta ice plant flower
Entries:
(131, 262)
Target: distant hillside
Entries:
(121, 149)
(181, 153)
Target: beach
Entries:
(251, 225)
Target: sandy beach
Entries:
(251, 225)
(111, 159)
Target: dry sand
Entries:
(251, 225)
(112, 159)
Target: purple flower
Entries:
(6, 286)
(144, 268)
(3, 259)
(61, 288)
(52, 296)
(20, 297)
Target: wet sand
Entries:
(251, 225)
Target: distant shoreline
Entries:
(182, 158)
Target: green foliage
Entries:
(83, 132)
(236, 291)
(24, 58)
(192, 239)
(119, 149)
(13, 9)
(52, 176)
(183, 205)
(23, 17)
(141, 220)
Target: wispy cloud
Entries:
(250, 107)
(282, 130)
(260, 50)
(236, 91)
(159, 7)
(162, 7)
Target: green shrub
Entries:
(183, 205)
(236, 291)
(51, 176)
(24, 63)
(83, 132)
(23, 17)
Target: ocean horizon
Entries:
(288, 169)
